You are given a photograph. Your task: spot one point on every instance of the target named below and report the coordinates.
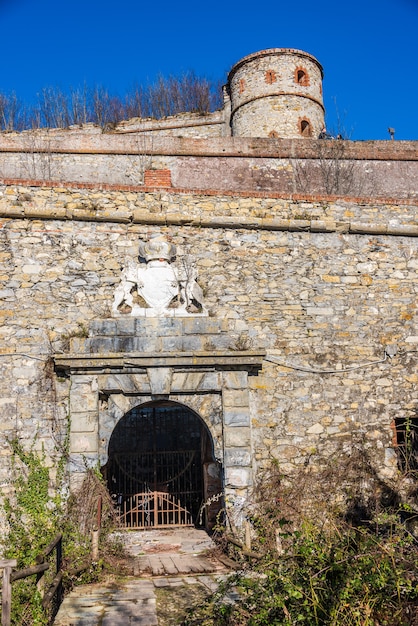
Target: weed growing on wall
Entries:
(33, 518)
(37, 513)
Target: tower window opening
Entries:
(406, 441)
(301, 77)
(305, 128)
(241, 85)
(270, 77)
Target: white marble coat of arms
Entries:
(165, 289)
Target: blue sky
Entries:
(368, 49)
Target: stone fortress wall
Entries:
(367, 170)
(316, 285)
(311, 333)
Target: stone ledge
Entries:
(249, 359)
(230, 222)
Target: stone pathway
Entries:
(130, 602)
(161, 559)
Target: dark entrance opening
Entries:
(161, 469)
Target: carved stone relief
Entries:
(163, 288)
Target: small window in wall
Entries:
(406, 442)
(241, 85)
(301, 77)
(274, 134)
(270, 77)
(305, 128)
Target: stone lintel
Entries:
(102, 363)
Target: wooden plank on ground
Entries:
(195, 565)
(157, 568)
(169, 565)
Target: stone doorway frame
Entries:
(104, 387)
(205, 479)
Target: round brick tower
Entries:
(276, 93)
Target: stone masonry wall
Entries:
(323, 286)
(182, 125)
(383, 169)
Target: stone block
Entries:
(211, 381)
(317, 310)
(221, 342)
(235, 380)
(125, 344)
(78, 345)
(201, 325)
(160, 380)
(147, 344)
(171, 344)
(127, 383)
(193, 381)
(8, 409)
(191, 343)
(78, 463)
(239, 457)
(83, 443)
(235, 397)
(84, 422)
(83, 398)
(103, 328)
(126, 326)
(122, 344)
(98, 345)
(76, 480)
(237, 437)
(238, 477)
(160, 327)
(236, 416)
(316, 429)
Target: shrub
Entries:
(322, 565)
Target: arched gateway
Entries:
(161, 469)
(159, 398)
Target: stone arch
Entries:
(115, 406)
(106, 385)
(165, 446)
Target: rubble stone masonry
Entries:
(322, 286)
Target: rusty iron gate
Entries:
(154, 471)
(154, 509)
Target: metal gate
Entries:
(154, 509)
(155, 470)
